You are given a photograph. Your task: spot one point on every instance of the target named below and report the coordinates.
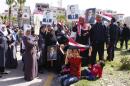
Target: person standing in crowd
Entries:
(3, 49)
(30, 59)
(50, 40)
(113, 34)
(11, 59)
(125, 36)
(16, 38)
(62, 41)
(41, 44)
(98, 36)
(20, 35)
(119, 32)
(83, 37)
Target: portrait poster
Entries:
(72, 12)
(51, 53)
(47, 17)
(90, 15)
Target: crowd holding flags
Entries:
(50, 45)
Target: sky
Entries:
(121, 6)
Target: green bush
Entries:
(125, 63)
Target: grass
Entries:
(110, 69)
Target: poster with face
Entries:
(51, 53)
(90, 15)
(72, 12)
(47, 17)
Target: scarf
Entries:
(5, 33)
(82, 27)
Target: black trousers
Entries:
(110, 52)
(126, 42)
(97, 48)
(2, 69)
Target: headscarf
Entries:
(4, 32)
(82, 25)
(27, 29)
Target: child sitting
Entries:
(94, 72)
(74, 60)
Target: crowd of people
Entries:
(54, 49)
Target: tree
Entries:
(21, 4)
(61, 18)
(9, 3)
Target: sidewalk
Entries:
(16, 78)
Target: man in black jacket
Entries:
(125, 36)
(113, 32)
(98, 36)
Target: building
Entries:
(127, 21)
(39, 8)
(26, 15)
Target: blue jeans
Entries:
(67, 80)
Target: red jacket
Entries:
(96, 70)
(75, 66)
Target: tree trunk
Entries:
(9, 15)
(20, 13)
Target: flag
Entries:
(80, 46)
(106, 17)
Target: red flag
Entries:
(80, 46)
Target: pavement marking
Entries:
(49, 79)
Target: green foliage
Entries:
(21, 1)
(125, 63)
(61, 18)
(9, 2)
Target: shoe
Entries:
(4, 72)
(41, 72)
(0, 76)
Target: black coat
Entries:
(99, 34)
(82, 39)
(125, 33)
(3, 49)
(50, 38)
(113, 32)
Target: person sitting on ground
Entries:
(74, 61)
(93, 72)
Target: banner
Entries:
(72, 12)
(90, 15)
(37, 19)
(47, 17)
